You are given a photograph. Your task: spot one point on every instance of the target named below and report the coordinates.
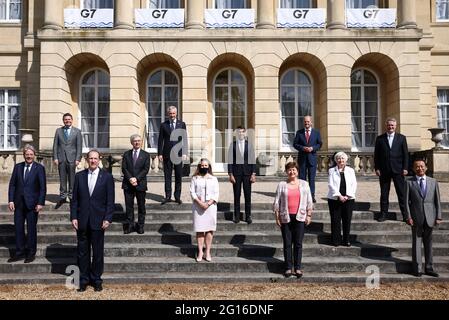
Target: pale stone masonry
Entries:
(46, 62)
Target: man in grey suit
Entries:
(423, 212)
(67, 147)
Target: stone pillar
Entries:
(53, 16)
(265, 14)
(124, 14)
(407, 14)
(336, 14)
(195, 14)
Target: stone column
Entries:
(265, 14)
(336, 14)
(124, 14)
(53, 16)
(195, 14)
(407, 14)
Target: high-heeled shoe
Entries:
(208, 259)
(198, 258)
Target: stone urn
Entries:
(437, 136)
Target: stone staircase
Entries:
(241, 252)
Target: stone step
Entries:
(229, 250)
(254, 237)
(257, 225)
(211, 277)
(225, 264)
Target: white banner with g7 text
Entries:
(229, 18)
(371, 18)
(159, 18)
(88, 18)
(301, 18)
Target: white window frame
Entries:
(362, 112)
(436, 11)
(4, 144)
(8, 20)
(312, 104)
(179, 5)
(163, 108)
(83, 7)
(222, 166)
(96, 86)
(445, 144)
(279, 5)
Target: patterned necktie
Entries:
(307, 136)
(66, 134)
(27, 171)
(135, 157)
(422, 187)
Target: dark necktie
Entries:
(135, 157)
(172, 126)
(66, 134)
(307, 136)
(27, 171)
(422, 187)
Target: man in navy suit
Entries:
(172, 149)
(308, 142)
(26, 196)
(242, 170)
(391, 162)
(91, 211)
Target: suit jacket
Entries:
(392, 160)
(417, 207)
(138, 171)
(70, 149)
(334, 183)
(32, 191)
(314, 141)
(164, 145)
(239, 166)
(96, 208)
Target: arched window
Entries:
(163, 91)
(364, 109)
(230, 105)
(296, 102)
(94, 101)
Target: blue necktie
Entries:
(66, 134)
(172, 126)
(422, 187)
(27, 171)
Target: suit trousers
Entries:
(419, 239)
(292, 234)
(309, 171)
(399, 185)
(22, 214)
(168, 169)
(129, 201)
(90, 272)
(237, 187)
(340, 212)
(66, 174)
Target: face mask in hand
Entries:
(203, 171)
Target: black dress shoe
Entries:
(288, 274)
(166, 200)
(382, 218)
(60, 203)
(16, 258)
(30, 259)
(313, 199)
(127, 229)
(98, 287)
(236, 220)
(140, 230)
(82, 288)
(249, 220)
(417, 274)
(346, 243)
(432, 273)
(178, 201)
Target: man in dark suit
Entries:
(135, 167)
(242, 170)
(26, 197)
(172, 150)
(391, 162)
(308, 142)
(91, 211)
(423, 212)
(67, 147)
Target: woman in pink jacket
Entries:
(293, 207)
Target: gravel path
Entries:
(286, 291)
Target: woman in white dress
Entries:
(204, 192)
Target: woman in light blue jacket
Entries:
(293, 207)
(341, 196)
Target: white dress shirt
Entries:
(92, 177)
(25, 168)
(241, 146)
(390, 139)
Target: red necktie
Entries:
(307, 136)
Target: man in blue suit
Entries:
(91, 211)
(308, 142)
(26, 197)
